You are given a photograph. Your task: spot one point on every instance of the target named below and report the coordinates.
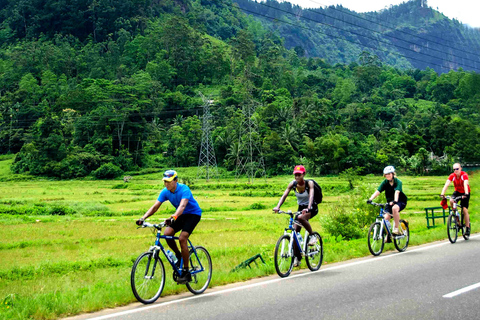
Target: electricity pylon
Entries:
(249, 156)
(207, 164)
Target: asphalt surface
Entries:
(409, 285)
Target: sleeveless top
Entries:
(302, 198)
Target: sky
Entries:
(465, 11)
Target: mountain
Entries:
(407, 35)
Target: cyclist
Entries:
(185, 218)
(305, 199)
(396, 199)
(462, 188)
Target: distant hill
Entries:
(407, 35)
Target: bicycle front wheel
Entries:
(375, 241)
(314, 254)
(201, 270)
(401, 242)
(452, 228)
(283, 256)
(147, 278)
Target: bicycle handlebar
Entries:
(158, 226)
(378, 204)
(453, 198)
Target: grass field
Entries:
(67, 247)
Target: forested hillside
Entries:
(407, 35)
(101, 87)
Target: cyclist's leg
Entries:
(183, 239)
(189, 223)
(465, 203)
(170, 231)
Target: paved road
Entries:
(409, 285)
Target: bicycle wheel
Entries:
(464, 229)
(147, 278)
(200, 280)
(401, 242)
(375, 242)
(452, 228)
(283, 256)
(314, 254)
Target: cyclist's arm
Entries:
(447, 183)
(311, 195)
(396, 195)
(465, 187)
(152, 210)
(180, 209)
(374, 195)
(284, 196)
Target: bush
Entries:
(107, 171)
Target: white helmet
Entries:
(388, 169)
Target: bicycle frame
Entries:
(159, 247)
(383, 223)
(293, 234)
(455, 207)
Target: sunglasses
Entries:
(456, 168)
(298, 174)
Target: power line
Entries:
(393, 29)
(344, 39)
(365, 36)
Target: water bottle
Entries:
(299, 236)
(172, 256)
(389, 226)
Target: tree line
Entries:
(125, 97)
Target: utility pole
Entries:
(207, 163)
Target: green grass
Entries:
(59, 265)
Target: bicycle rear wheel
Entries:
(375, 241)
(283, 256)
(401, 242)
(147, 278)
(314, 254)
(464, 229)
(452, 228)
(200, 280)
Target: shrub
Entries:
(107, 171)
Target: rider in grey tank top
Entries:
(302, 198)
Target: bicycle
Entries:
(284, 250)
(148, 272)
(377, 235)
(456, 221)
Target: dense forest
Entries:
(102, 87)
(408, 35)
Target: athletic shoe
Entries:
(313, 241)
(185, 277)
(296, 262)
(396, 232)
(467, 232)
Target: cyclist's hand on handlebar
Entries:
(442, 196)
(140, 222)
(169, 221)
(276, 209)
(369, 201)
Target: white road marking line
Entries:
(460, 291)
(346, 265)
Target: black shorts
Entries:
(313, 212)
(186, 222)
(463, 202)
(402, 205)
